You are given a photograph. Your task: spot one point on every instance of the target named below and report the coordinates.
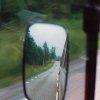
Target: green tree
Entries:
(39, 56)
(30, 48)
(45, 53)
(52, 53)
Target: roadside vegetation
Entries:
(37, 58)
(32, 71)
(11, 47)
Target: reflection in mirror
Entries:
(44, 45)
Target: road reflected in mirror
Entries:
(45, 48)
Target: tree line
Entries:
(54, 8)
(36, 55)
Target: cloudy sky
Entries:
(54, 35)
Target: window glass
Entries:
(15, 16)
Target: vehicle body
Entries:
(37, 31)
(63, 71)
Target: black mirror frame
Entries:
(23, 67)
(23, 64)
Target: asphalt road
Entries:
(41, 87)
(14, 92)
(76, 80)
(44, 86)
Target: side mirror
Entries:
(44, 51)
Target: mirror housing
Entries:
(45, 45)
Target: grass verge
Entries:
(32, 71)
(11, 47)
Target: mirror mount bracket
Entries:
(91, 27)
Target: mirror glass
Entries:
(44, 50)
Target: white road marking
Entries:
(57, 84)
(32, 79)
(27, 82)
(24, 99)
(56, 95)
(57, 88)
(57, 77)
(36, 77)
(84, 58)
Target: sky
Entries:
(54, 35)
